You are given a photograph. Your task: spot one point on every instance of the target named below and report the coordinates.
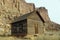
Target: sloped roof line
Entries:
(26, 15)
(40, 17)
(23, 17)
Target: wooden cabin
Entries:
(28, 24)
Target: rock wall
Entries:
(44, 14)
(10, 10)
(26, 7)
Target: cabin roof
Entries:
(23, 17)
(26, 15)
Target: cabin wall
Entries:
(31, 24)
(30, 27)
(40, 27)
(34, 16)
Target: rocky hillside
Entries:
(53, 27)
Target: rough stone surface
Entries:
(44, 13)
(10, 10)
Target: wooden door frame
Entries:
(36, 28)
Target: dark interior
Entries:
(19, 28)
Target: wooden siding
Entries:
(34, 16)
(34, 21)
(31, 27)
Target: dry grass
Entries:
(55, 36)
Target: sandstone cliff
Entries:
(10, 10)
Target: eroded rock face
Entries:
(26, 7)
(44, 13)
(10, 10)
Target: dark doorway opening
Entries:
(19, 28)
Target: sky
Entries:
(53, 7)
